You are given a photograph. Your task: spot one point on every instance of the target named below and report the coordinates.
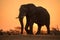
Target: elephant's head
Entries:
(25, 9)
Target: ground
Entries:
(29, 37)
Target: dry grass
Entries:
(29, 37)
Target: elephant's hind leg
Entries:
(48, 29)
(31, 28)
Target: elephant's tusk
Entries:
(17, 17)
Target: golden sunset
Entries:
(9, 10)
(29, 19)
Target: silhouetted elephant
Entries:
(34, 14)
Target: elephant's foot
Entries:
(38, 33)
(29, 32)
(48, 33)
(21, 32)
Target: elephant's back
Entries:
(42, 15)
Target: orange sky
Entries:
(9, 10)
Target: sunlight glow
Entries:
(9, 10)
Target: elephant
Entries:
(34, 14)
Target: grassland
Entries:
(29, 37)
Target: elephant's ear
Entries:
(21, 8)
(24, 8)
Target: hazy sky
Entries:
(9, 10)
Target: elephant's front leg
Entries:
(39, 29)
(21, 26)
(26, 28)
(30, 25)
